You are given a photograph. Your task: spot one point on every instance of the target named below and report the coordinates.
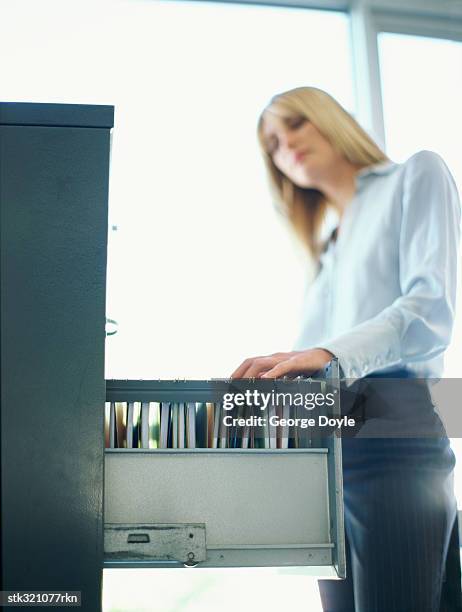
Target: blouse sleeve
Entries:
(417, 326)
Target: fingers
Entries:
(260, 365)
(300, 362)
(242, 369)
(292, 366)
(253, 367)
(278, 365)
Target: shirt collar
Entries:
(384, 167)
(381, 168)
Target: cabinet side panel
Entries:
(53, 199)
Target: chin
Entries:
(304, 179)
(305, 183)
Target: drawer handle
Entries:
(138, 538)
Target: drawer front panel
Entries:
(245, 499)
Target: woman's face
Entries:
(298, 149)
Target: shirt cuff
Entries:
(359, 361)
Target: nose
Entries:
(288, 139)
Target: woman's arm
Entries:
(417, 326)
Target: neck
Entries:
(339, 185)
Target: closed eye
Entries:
(294, 123)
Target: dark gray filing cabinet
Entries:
(54, 167)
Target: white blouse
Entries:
(384, 297)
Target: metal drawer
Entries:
(222, 507)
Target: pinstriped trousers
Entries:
(400, 518)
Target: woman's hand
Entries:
(278, 365)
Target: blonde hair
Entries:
(306, 208)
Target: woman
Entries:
(383, 303)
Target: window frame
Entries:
(368, 18)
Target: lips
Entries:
(298, 157)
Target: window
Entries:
(201, 267)
(422, 95)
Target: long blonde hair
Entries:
(306, 208)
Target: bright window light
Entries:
(422, 94)
(201, 272)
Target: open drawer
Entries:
(222, 507)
